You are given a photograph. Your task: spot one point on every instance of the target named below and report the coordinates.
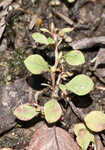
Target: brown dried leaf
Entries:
(52, 138)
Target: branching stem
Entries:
(52, 74)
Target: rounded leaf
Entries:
(84, 137)
(65, 30)
(44, 30)
(51, 41)
(52, 111)
(25, 112)
(95, 121)
(68, 39)
(75, 57)
(40, 38)
(36, 64)
(80, 85)
(78, 127)
(62, 87)
(71, 1)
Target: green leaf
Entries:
(62, 87)
(44, 30)
(25, 112)
(51, 41)
(95, 121)
(80, 85)
(36, 64)
(71, 1)
(78, 127)
(68, 39)
(40, 38)
(75, 57)
(84, 137)
(65, 30)
(52, 111)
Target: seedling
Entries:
(80, 84)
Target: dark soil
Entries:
(18, 86)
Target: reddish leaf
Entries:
(52, 138)
(25, 112)
(52, 111)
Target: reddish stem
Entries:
(53, 79)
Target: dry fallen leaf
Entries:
(3, 4)
(52, 138)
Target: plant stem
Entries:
(78, 112)
(57, 54)
(52, 74)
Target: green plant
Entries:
(71, 1)
(94, 123)
(80, 84)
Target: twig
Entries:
(88, 42)
(65, 18)
(78, 112)
(98, 143)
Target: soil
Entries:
(17, 85)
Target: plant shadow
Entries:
(35, 82)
